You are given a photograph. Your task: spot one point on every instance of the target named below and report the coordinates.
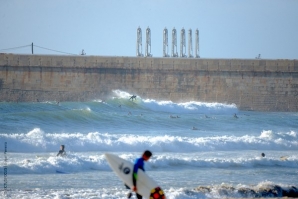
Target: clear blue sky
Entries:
(228, 28)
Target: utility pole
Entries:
(32, 48)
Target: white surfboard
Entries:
(147, 187)
(284, 157)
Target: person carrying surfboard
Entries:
(139, 164)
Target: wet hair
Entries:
(62, 145)
(147, 153)
(263, 154)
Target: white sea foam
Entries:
(78, 162)
(122, 94)
(263, 189)
(185, 107)
(84, 109)
(189, 107)
(66, 193)
(38, 141)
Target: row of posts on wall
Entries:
(174, 52)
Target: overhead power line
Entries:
(54, 50)
(32, 45)
(6, 49)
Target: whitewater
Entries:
(200, 150)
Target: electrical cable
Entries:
(54, 50)
(14, 48)
(6, 49)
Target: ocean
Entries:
(200, 150)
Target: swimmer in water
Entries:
(263, 155)
(61, 151)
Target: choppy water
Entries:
(221, 158)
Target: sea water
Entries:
(200, 150)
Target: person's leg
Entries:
(139, 196)
(129, 194)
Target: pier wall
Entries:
(251, 84)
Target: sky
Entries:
(228, 28)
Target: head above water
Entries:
(146, 155)
(263, 154)
(62, 147)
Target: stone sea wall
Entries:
(251, 84)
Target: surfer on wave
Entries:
(133, 97)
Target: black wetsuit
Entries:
(61, 153)
(134, 97)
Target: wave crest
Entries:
(264, 189)
(38, 141)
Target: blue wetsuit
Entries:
(139, 164)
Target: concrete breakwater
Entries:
(252, 84)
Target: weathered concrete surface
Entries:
(263, 85)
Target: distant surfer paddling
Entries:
(194, 128)
(62, 152)
(139, 164)
(134, 97)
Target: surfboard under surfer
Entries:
(139, 164)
